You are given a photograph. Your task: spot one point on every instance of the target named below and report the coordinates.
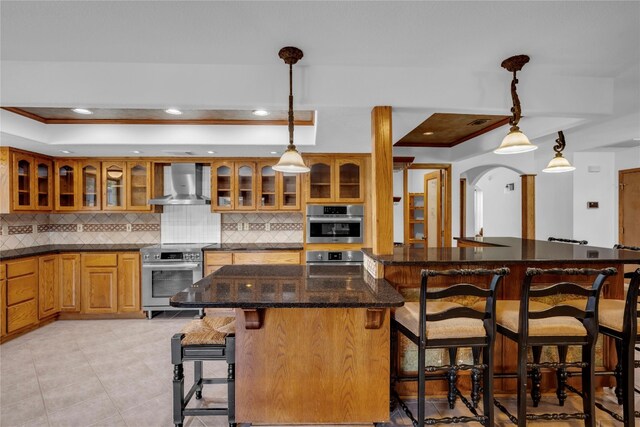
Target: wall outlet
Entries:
(128, 228)
(239, 226)
(246, 226)
(79, 228)
(267, 226)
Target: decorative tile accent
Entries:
(145, 227)
(286, 226)
(229, 226)
(256, 226)
(20, 229)
(57, 228)
(93, 228)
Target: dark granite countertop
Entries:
(292, 286)
(232, 247)
(54, 249)
(504, 249)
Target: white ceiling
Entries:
(419, 57)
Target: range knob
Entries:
(146, 256)
(156, 256)
(349, 257)
(319, 256)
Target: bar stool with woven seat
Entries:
(618, 319)
(534, 326)
(445, 325)
(206, 339)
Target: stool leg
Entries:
(588, 386)
(197, 378)
(421, 385)
(476, 377)
(619, 372)
(561, 375)
(231, 393)
(452, 377)
(628, 397)
(522, 384)
(536, 376)
(178, 379)
(487, 389)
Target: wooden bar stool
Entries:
(446, 325)
(206, 339)
(560, 325)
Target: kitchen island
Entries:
(312, 342)
(402, 270)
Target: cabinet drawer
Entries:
(266, 258)
(100, 260)
(21, 289)
(22, 267)
(21, 315)
(218, 258)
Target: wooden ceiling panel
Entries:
(158, 116)
(448, 129)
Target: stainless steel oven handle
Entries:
(334, 219)
(172, 266)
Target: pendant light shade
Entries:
(291, 161)
(559, 164)
(515, 141)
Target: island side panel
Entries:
(312, 365)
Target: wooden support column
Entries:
(381, 181)
(528, 206)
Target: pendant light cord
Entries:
(291, 146)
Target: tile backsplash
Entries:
(24, 230)
(262, 227)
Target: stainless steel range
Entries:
(166, 270)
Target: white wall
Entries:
(398, 208)
(597, 226)
(554, 199)
(502, 215)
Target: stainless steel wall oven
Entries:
(335, 224)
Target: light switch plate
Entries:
(267, 226)
(239, 226)
(246, 226)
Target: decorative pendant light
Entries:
(515, 141)
(559, 164)
(291, 161)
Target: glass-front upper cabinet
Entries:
(23, 171)
(289, 191)
(320, 180)
(65, 185)
(267, 186)
(349, 180)
(44, 185)
(139, 181)
(221, 186)
(245, 186)
(90, 185)
(113, 186)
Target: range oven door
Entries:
(346, 229)
(162, 281)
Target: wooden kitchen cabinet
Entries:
(277, 191)
(90, 182)
(114, 185)
(3, 300)
(245, 186)
(99, 283)
(22, 176)
(66, 185)
(48, 286)
(289, 194)
(129, 283)
(138, 186)
(69, 272)
(214, 260)
(43, 186)
(28, 181)
(222, 186)
(21, 293)
(335, 180)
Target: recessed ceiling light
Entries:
(260, 113)
(136, 152)
(428, 133)
(81, 111)
(273, 152)
(173, 111)
(211, 152)
(65, 151)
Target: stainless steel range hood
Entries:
(187, 186)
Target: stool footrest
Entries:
(194, 412)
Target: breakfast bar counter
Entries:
(312, 342)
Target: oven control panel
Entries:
(334, 257)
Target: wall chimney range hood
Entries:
(187, 186)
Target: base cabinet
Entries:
(69, 271)
(128, 283)
(3, 300)
(22, 294)
(48, 286)
(110, 283)
(216, 260)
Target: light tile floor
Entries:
(118, 373)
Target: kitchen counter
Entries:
(56, 249)
(482, 250)
(235, 247)
(293, 286)
(300, 329)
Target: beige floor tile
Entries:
(59, 398)
(135, 393)
(16, 372)
(84, 414)
(115, 421)
(19, 413)
(153, 413)
(63, 377)
(27, 387)
(42, 421)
